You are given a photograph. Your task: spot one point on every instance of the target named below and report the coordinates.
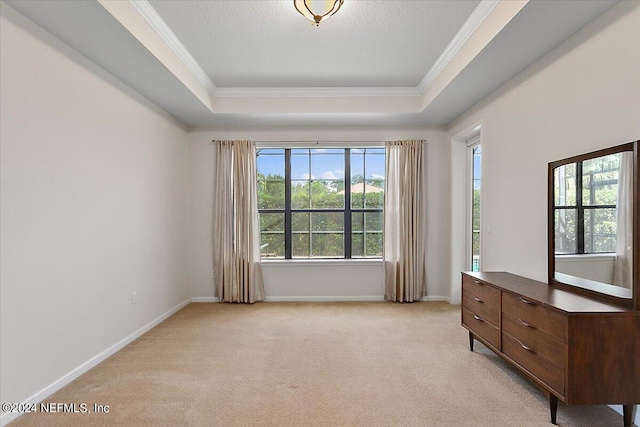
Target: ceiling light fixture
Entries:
(317, 11)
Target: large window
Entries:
(586, 195)
(321, 203)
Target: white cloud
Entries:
(376, 176)
(307, 176)
(328, 175)
(336, 174)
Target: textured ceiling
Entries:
(268, 44)
(237, 50)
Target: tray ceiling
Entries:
(245, 64)
(268, 44)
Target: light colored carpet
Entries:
(311, 364)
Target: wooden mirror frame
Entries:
(607, 293)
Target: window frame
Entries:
(580, 209)
(473, 143)
(347, 210)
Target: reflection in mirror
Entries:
(593, 219)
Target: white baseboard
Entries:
(66, 379)
(205, 299)
(325, 298)
(345, 298)
(618, 409)
(297, 298)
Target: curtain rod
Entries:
(307, 141)
(280, 141)
(319, 141)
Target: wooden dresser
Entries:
(579, 350)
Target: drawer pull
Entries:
(478, 282)
(527, 348)
(478, 318)
(477, 299)
(528, 325)
(526, 301)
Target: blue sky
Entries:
(477, 168)
(326, 163)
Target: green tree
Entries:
(599, 188)
(475, 224)
(319, 234)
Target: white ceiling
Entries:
(239, 64)
(268, 44)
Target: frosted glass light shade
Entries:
(317, 11)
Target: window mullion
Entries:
(580, 210)
(310, 205)
(287, 204)
(347, 203)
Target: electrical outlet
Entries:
(134, 297)
(212, 273)
(490, 227)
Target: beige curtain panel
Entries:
(404, 222)
(236, 232)
(623, 267)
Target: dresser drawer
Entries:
(481, 327)
(551, 347)
(481, 290)
(532, 361)
(477, 306)
(536, 315)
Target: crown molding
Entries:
(144, 8)
(316, 92)
(476, 18)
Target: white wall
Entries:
(583, 96)
(319, 281)
(599, 268)
(93, 208)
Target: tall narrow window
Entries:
(271, 201)
(367, 200)
(321, 202)
(317, 203)
(475, 185)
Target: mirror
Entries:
(593, 224)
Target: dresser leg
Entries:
(470, 341)
(627, 414)
(553, 407)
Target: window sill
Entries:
(320, 262)
(586, 257)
